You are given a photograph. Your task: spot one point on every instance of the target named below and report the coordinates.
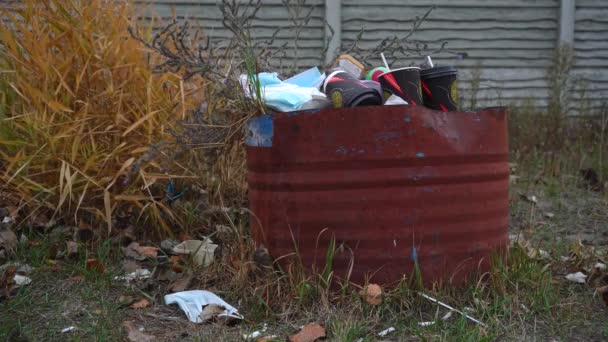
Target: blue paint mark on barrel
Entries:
(260, 132)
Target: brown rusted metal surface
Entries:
(391, 184)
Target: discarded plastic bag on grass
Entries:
(193, 302)
(201, 251)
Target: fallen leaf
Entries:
(372, 294)
(95, 265)
(177, 264)
(578, 277)
(211, 311)
(135, 335)
(148, 251)
(137, 252)
(181, 283)
(72, 248)
(309, 333)
(603, 291)
(8, 239)
(140, 304)
(126, 300)
(34, 243)
(77, 278)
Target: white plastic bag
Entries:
(192, 303)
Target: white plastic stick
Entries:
(451, 308)
(384, 61)
(429, 61)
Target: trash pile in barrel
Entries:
(348, 84)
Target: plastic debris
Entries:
(201, 251)
(451, 308)
(425, 324)
(192, 303)
(256, 334)
(578, 277)
(309, 78)
(68, 329)
(285, 97)
(386, 331)
(138, 274)
(599, 267)
(22, 280)
(394, 100)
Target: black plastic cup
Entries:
(344, 90)
(404, 82)
(439, 89)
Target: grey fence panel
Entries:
(273, 20)
(590, 72)
(511, 42)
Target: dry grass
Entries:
(84, 119)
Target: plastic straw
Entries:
(429, 61)
(384, 61)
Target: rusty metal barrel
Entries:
(391, 186)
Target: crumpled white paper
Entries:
(202, 251)
(192, 303)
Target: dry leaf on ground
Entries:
(95, 265)
(372, 294)
(181, 283)
(8, 239)
(211, 311)
(77, 278)
(137, 252)
(134, 335)
(309, 333)
(140, 304)
(148, 251)
(603, 291)
(71, 249)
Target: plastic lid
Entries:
(438, 71)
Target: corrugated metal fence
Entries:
(506, 45)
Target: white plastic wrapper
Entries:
(192, 303)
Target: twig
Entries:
(451, 308)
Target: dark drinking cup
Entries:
(439, 88)
(344, 90)
(404, 82)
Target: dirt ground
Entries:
(537, 303)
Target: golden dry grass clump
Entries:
(82, 113)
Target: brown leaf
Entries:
(181, 283)
(604, 292)
(177, 264)
(72, 248)
(372, 294)
(77, 278)
(147, 251)
(95, 265)
(140, 304)
(126, 300)
(137, 252)
(134, 335)
(309, 333)
(211, 311)
(8, 239)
